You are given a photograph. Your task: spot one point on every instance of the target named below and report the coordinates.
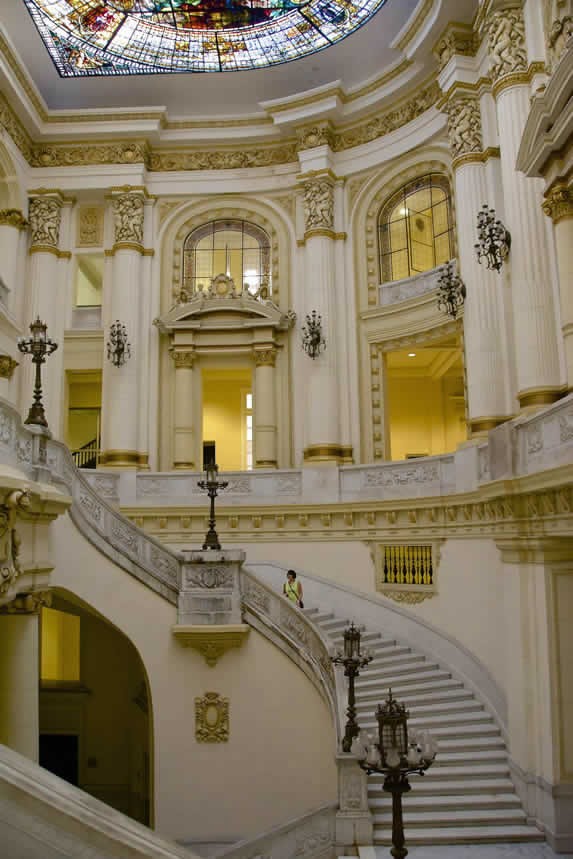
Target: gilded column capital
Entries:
(183, 358)
(7, 366)
(13, 218)
(310, 136)
(265, 357)
(28, 603)
(464, 126)
(128, 214)
(45, 217)
(318, 204)
(558, 204)
(505, 31)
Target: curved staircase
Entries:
(467, 795)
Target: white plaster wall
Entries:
(276, 765)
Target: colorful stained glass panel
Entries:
(119, 37)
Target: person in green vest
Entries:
(292, 589)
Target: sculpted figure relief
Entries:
(464, 125)
(45, 218)
(506, 35)
(128, 218)
(319, 205)
(560, 35)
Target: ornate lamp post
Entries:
(212, 485)
(39, 346)
(395, 757)
(494, 239)
(353, 660)
(313, 341)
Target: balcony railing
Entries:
(87, 456)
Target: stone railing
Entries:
(409, 287)
(311, 836)
(275, 617)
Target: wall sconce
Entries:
(494, 239)
(451, 290)
(118, 346)
(313, 342)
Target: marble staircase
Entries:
(467, 796)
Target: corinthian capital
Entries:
(506, 38)
(183, 359)
(319, 205)
(45, 217)
(558, 204)
(128, 214)
(464, 124)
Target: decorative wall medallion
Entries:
(209, 577)
(7, 366)
(212, 718)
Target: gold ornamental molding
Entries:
(7, 366)
(211, 718)
(558, 203)
(481, 426)
(514, 79)
(13, 218)
(265, 357)
(49, 249)
(327, 234)
(328, 453)
(476, 157)
(417, 22)
(121, 458)
(212, 642)
(539, 396)
(165, 161)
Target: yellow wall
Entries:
(222, 416)
(84, 393)
(425, 415)
(60, 647)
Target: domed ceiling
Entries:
(118, 37)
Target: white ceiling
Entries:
(358, 58)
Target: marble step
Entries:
(457, 773)
(453, 721)
(478, 756)
(415, 802)
(424, 786)
(462, 835)
(452, 744)
(466, 817)
(394, 674)
(407, 680)
(463, 705)
(436, 695)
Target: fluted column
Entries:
(265, 408)
(19, 682)
(183, 430)
(559, 206)
(536, 354)
(121, 385)
(484, 336)
(48, 300)
(322, 418)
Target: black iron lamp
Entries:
(39, 346)
(395, 756)
(313, 341)
(118, 345)
(494, 239)
(353, 660)
(451, 290)
(213, 486)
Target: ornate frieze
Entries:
(506, 40)
(66, 155)
(45, 216)
(90, 226)
(464, 124)
(319, 204)
(211, 718)
(558, 204)
(310, 136)
(7, 366)
(228, 159)
(128, 213)
(265, 357)
(13, 218)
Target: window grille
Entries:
(415, 228)
(406, 572)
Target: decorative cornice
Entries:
(414, 25)
(13, 218)
(558, 204)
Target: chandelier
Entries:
(451, 290)
(494, 239)
(313, 341)
(118, 346)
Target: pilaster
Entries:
(265, 409)
(558, 205)
(184, 432)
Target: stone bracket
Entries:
(212, 642)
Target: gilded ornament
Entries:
(265, 357)
(211, 718)
(7, 366)
(12, 125)
(183, 360)
(128, 212)
(227, 159)
(558, 204)
(319, 205)
(13, 218)
(506, 38)
(308, 137)
(65, 155)
(90, 226)
(464, 125)
(45, 216)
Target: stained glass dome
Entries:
(123, 37)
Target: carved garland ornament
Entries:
(45, 218)
(464, 125)
(13, 218)
(506, 37)
(128, 218)
(319, 205)
(212, 718)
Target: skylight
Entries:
(127, 37)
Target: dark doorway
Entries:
(208, 453)
(59, 755)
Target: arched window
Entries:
(415, 228)
(238, 249)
